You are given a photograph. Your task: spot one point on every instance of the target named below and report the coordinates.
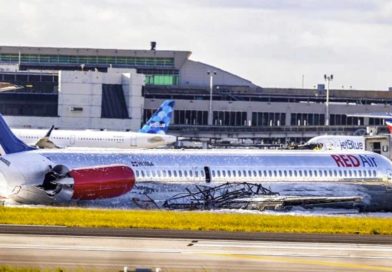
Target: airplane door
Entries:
(208, 174)
(133, 141)
(72, 140)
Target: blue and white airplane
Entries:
(40, 176)
(151, 135)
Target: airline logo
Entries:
(158, 125)
(350, 144)
(354, 160)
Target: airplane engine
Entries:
(90, 183)
(42, 183)
(102, 182)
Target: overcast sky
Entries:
(272, 43)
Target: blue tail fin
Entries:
(160, 120)
(8, 141)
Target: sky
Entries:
(273, 43)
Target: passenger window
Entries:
(369, 173)
(254, 173)
(185, 173)
(280, 173)
(310, 173)
(250, 173)
(244, 173)
(364, 173)
(260, 173)
(218, 173)
(270, 173)
(374, 173)
(224, 173)
(137, 173)
(229, 173)
(142, 173)
(275, 173)
(175, 173)
(196, 173)
(239, 174)
(300, 173)
(285, 173)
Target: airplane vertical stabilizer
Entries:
(160, 120)
(9, 142)
(388, 122)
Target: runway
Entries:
(171, 254)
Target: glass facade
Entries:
(229, 118)
(307, 119)
(161, 79)
(268, 118)
(95, 60)
(343, 120)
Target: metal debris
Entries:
(218, 197)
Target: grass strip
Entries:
(181, 220)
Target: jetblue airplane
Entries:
(40, 176)
(340, 142)
(336, 142)
(151, 135)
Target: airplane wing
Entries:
(382, 115)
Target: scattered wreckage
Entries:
(249, 196)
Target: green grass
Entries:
(76, 217)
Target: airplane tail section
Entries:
(388, 122)
(8, 141)
(160, 120)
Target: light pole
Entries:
(327, 79)
(211, 75)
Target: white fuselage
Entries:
(236, 165)
(95, 139)
(338, 143)
(201, 166)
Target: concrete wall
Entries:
(80, 99)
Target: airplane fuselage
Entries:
(96, 139)
(25, 181)
(236, 165)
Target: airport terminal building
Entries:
(87, 88)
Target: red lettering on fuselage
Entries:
(346, 160)
(354, 160)
(338, 160)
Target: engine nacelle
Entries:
(105, 181)
(32, 179)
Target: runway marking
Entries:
(294, 245)
(87, 248)
(305, 261)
